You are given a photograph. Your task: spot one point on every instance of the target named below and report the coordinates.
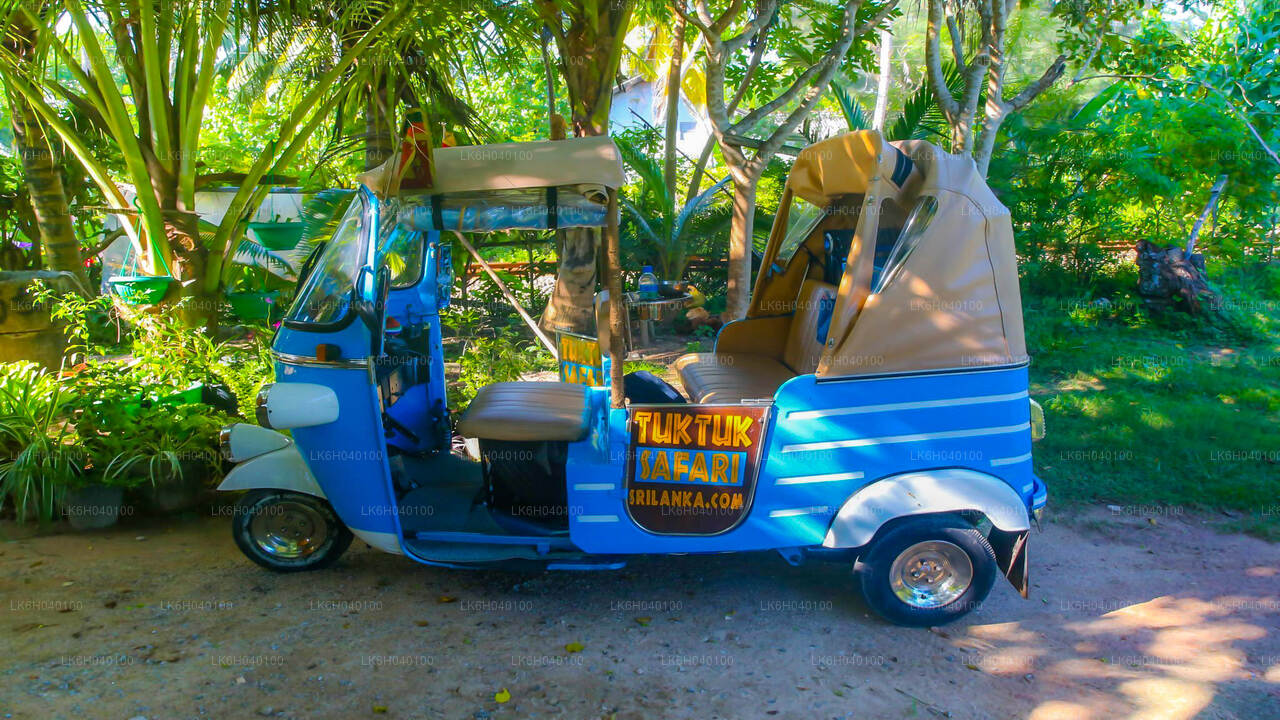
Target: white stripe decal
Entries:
(597, 518)
(806, 479)
(797, 512)
(918, 437)
(889, 407)
(594, 486)
(997, 462)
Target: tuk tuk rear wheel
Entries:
(288, 531)
(928, 570)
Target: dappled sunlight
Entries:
(1166, 698)
(1059, 710)
(1165, 658)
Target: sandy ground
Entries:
(165, 619)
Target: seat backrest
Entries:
(808, 331)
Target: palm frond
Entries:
(650, 172)
(693, 206)
(852, 110)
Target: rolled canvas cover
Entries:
(511, 166)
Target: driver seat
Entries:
(527, 411)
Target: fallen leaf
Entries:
(502, 696)
(421, 623)
(447, 599)
(575, 647)
(644, 621)
(380, 709)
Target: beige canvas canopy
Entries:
(583, 162)
(945, 291)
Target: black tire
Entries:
(303, 529)
(932, 541)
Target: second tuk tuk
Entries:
(871, 408)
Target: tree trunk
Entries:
(673, 110)
(1169, 279)
(378, 136)
(740, 245)
(59, 246)
(590, 49)
(882, 82)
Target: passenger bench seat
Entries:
(734, 377)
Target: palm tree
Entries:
(59, 247)
(665, 230)
(168, 52)
(418, 66)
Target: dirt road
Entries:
(168, 620)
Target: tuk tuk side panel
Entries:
(600, 523)
(834, 437)
(348, 456)
(823, 444)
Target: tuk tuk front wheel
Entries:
(927, 571)
(288, 531)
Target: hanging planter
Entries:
(254, 305)
(140, 289)
(277, 235)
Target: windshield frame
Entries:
(359, 212)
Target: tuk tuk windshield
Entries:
(325, 297)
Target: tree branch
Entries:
(1029, 93)
(957, 47)
(756, 56)
(933, 63)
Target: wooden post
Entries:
(614, 279)
(511, 298)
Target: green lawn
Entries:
(1158, 421)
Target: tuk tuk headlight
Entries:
(293, 405)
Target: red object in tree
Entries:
(415, 152)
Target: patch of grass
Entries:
(631, 366)
(1149, 417)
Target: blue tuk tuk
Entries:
(870, 409)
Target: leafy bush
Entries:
(38, 452)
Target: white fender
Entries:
(242, 441)
(282, 469)
(922, 493)
(384, 541)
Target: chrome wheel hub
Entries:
(289, 530)
(931, 574)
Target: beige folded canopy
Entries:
(945, 292)
(588, 165)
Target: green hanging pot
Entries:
(258, 305)
(277, 235)
(140, 289)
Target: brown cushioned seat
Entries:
(527, 411)
(731, 377)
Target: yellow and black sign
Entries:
(580, 359)
(691, 469)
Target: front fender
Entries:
(922, 493)
(282, 469)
